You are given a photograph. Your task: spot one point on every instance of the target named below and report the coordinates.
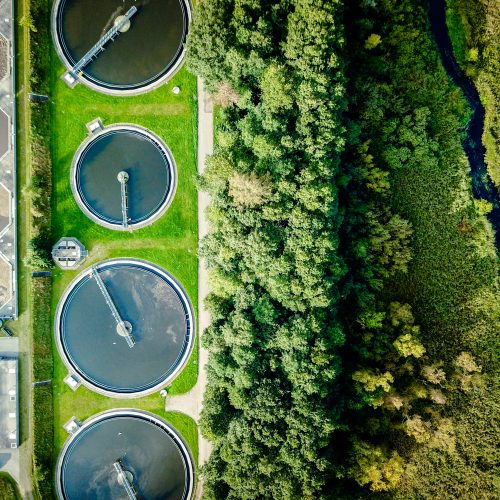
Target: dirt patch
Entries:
(4, 57)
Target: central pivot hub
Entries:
(126, 25)
(122, 176)
(125, 476)
(124, 328)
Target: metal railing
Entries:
(99, 46)
(124, 194)
(120, 324)
(124, 482)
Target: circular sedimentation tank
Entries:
(125, 327)
(129, 154)
(152, 459)
(147, 51)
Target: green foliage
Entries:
(475, 33)
(38, 22)
(249, 190)
(405, 157)
(8, 487)
(272, 247)
(372, 41)
(43, 433)
(375, 467)
(39, 252)
(386, 250)
(209, 40)
(371, 381)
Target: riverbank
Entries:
(474, 27)
(482, 185)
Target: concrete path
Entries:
(192, 402)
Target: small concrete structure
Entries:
(95, 126)
(69, 253)
(72, 425)
(69, 80)
(9, 407)
(72, 381)
(4, 57)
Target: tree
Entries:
(434, 374)
(208, 41)
(371, 381)
(418, 429)
(225, 95)
(277, 90)
(407, 345)
(374, 466)
(40, 251)
(465, 361)
(28, 22)
(249, 190)
(373, 41)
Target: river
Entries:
(482, 186)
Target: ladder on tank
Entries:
(71, 76)
(131, 493)
(121, 326)
(123, 179)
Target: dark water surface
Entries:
(141, 55)
(482, 186)
(146, 450)
(146, 164)
(158, 318)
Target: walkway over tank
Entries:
(121, 326)
(125, 482)
(123, 180)
(71, 76)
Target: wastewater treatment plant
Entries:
(123, 325)
(249, 249)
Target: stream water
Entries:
(482, 186)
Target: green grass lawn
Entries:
(171, 242)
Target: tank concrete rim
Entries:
(157, 141)
(130, 412)
(122, 92)
(72, 369)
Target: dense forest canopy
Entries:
(354, 280)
